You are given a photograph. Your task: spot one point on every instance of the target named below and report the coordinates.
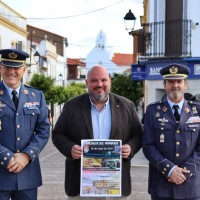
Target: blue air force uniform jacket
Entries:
(23, 130)
(166, 144)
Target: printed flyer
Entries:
(101, 168)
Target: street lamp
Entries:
(61, 79)
(129, 21)
(37, 57)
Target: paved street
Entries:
(52, 164)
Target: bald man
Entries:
(80, 120)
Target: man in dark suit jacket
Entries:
(171, 140)
(24, 130)
(77, 122)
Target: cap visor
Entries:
(12, 64)
(175, 77)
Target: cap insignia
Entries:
(12, 55)
(173, 70)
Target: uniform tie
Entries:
(15, 98)
(176, 113)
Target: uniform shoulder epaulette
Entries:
(155, 103)
(28, 86)
(194, 103)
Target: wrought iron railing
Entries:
(165, 39)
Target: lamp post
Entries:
(129, 20)
(36, 54)
(31, 41)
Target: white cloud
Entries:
(81, 31)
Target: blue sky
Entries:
(81, 20)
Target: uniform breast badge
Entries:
(157, 114)
(158, 107)
(194, 110)
(162, 138)
(2, 105)
(162, 121)
(33, 94)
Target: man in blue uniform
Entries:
(171, 140)
(24, 130)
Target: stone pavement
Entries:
(53, 170)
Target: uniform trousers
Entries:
(160, 198)
(18, 194)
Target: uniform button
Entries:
(5, 158)
(177, 143)
(18, 151)
(2, 163)
(177, 155)
(162, 128)
(31, 151)
(194, 129)
(8, 154)
(18, 126)
(17, 113)
(33, 113)
(177, 131)
(18, 139)
(165, 169)
(167, 165)
(163, 172)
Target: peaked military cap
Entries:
(13, 57)
(175, 71)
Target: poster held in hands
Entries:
(101, 168)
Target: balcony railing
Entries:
(165, 39)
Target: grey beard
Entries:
(175, 95)
(98, 98)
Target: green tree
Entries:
(122, 84)
(74, 89)
(46, 84)
(56, 94)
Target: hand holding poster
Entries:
(101, 168)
